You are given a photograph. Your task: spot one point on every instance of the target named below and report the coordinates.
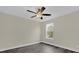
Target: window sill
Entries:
(50, 38)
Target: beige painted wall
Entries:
(66, 32)
(16, 31)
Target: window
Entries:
(49, 30)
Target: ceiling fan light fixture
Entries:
(39, 13)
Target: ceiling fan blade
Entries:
(33, 16)
(42, 9)
(31, 11)
(46, 14)
(38, 10)
(41, 17)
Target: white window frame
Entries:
(47, 25)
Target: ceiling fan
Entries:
(39, 13)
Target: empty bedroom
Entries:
(39, 29)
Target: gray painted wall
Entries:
(66, 32)
(15, 31)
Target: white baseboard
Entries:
(60, 46)
(37, 43)
(19, 46)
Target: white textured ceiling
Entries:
(56, 11)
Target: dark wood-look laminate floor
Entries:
(38, 48)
